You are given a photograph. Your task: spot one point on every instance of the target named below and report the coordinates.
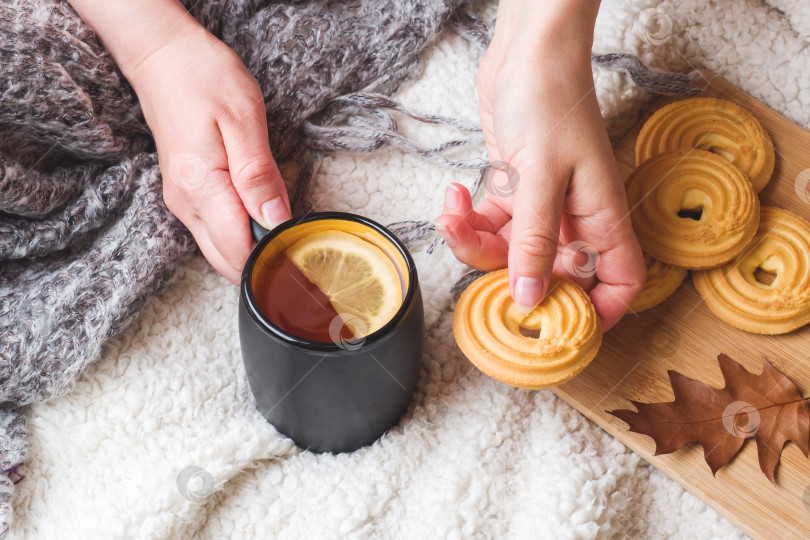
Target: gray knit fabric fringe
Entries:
(85, 239)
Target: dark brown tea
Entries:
(296, 305)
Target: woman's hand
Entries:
(556, 201)
(207, 115)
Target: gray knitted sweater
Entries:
(85, 238)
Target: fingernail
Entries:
(527, 293)
(274, 212)
(452, 197)
(446, 233)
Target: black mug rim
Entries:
(257, 315)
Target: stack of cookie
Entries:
(693, 202)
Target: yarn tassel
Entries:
(657, 82)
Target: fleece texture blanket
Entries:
(161, 439)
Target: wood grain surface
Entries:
(682, 334)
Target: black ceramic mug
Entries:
(331, 396)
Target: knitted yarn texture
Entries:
(85, 238)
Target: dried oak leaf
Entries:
(767, 407)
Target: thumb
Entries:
(254, 172)
(536, 214)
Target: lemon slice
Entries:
(360, 280)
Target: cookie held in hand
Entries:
(544, 348)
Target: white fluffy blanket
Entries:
(473, 457)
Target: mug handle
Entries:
(257, 230)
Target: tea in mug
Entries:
(350, 284)
(329, 280)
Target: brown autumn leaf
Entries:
(767, 407)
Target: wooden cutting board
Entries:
(682, 334)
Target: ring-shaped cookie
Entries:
(541, 349)
(691, 208)
(737, 294)
(712, 124)
(662, 280)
